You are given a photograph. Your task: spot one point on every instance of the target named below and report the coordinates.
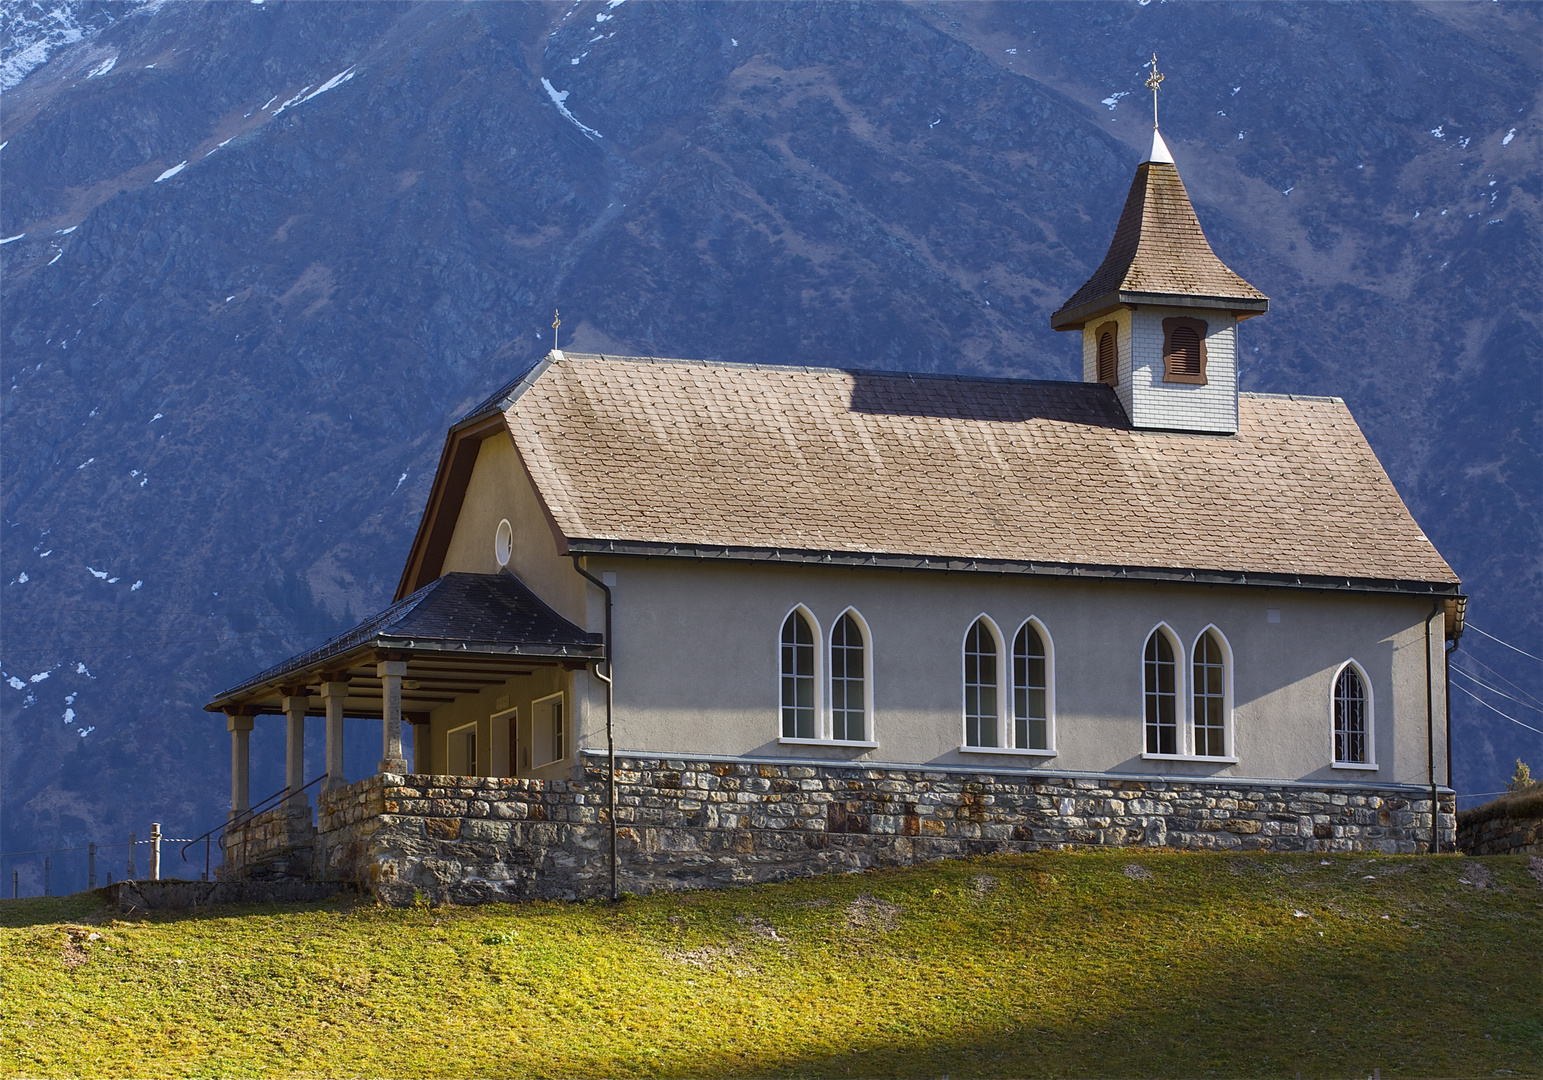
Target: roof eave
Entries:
(1034, 568)
(537, 651)
(1075, 318)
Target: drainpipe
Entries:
(1430, 733)
(610, 737)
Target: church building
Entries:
(671, 623)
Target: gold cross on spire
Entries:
(1154, 81)
(556, 322)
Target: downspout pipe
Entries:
(1430, 734)
(610, 735)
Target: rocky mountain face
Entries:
(258, 256)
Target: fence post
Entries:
(155, 851)
(130, 875)
(91, 866)
(47, 868)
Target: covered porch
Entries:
(480, 666)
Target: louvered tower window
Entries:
(1108, 354)
(1184, 350)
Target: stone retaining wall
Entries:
(686, 823)
(276, 843)
(1510, 825)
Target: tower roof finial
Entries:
(1154, 81)
(1159, 148)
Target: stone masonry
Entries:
(276, 843)
(691, 823)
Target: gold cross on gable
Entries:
(556, 322)
(1154, 81)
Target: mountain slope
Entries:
(228, 379)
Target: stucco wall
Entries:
(500, 488)
(697, 666)
(493, 737)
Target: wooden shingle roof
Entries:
(1159, 254)
(635, 454)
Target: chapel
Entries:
(669, 623)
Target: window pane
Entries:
(980, 686)
(1039, 736)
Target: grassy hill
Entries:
(1056, 964)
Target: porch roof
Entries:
(458, 634)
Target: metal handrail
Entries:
(259, 807)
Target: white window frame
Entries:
(1370, 764)
(1184, 711)
(568, 732)
(1229, 754)
(1004, 703)
(461, 729)
(870, 738)
(1007, 678)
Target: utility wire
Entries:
(1492, 690)
(1491, 708)
(1507, 644)
(1468, 656)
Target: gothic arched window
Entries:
(982, 701)
(798, 707)
(1160, 683)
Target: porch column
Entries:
(390, 673)
(294, 775)
(421, 757)
(240, 728)
(332, 695)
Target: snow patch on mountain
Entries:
(560, 96)
(33, 30)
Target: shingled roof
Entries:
(1159, 254)
(669, 456)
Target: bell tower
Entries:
(1159, 317)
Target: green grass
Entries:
(1056, 964)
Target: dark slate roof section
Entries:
(493, 613)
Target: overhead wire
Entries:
(1492, 690)
(1507, 644)
(1491, 708)
(1468, 656)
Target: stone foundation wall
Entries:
(686, 823)
(276, 843)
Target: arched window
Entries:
(798, 712)
(848, 699)
(1031, 690)
(1160, 678)
(1184, 350)
(1108, 355)
(1210, 697)
(1352, 718)
(981, 679)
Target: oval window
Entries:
(503, 542)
